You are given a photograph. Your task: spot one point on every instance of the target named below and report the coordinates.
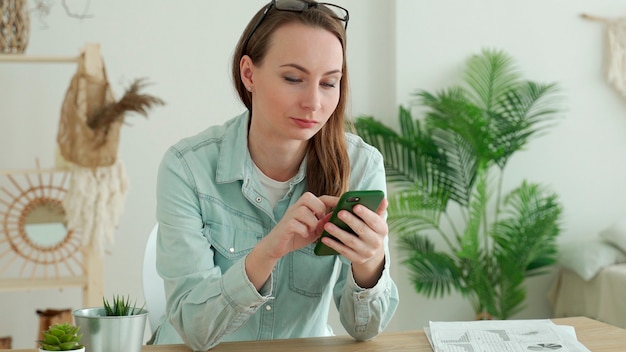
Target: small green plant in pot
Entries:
(446, 170)
(61, 337)
(118, 325)
(120, 306)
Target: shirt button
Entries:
(258, 199)
(268, 307)
(231, 249)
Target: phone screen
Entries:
(369, 198)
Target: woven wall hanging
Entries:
(14, 26)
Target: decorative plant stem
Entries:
(131, 101)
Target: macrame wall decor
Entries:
(14, 26)
(88, 139)
(615, 51)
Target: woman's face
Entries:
(296, 88)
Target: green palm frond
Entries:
(455, 129)
(433, 274)
(408, 161)
(415, 242)
(403, 216)
(524, 113)
(490, 75)
(402, 164)
(530, 227)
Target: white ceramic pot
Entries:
(78, 350)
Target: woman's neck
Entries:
(279, 160)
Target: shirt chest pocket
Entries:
(230, 244)
(309, 274)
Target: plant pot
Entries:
(102, 333)
(78, 350)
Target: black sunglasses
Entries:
(297, 6)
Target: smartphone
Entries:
(369, 198)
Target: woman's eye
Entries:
(330, 84)
(292, 80)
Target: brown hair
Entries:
(328, 165)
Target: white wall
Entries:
(395, 47)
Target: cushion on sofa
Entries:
(588, 257)
(615, 234)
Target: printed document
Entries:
(503, 336)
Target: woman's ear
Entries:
(246, 70)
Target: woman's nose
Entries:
(311, 99)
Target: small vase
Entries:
(14, 26)
(78, 350)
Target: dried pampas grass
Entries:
(132, 101)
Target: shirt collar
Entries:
(234, 161)
(233, 155)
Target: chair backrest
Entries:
(153, 290)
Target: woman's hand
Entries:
(366, 250)
(301, 225)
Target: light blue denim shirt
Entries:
(211, 213)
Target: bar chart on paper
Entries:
(545, 347)
(502, 336)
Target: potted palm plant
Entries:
(446, 171)
(61, 337)
(118, 325)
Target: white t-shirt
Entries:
(274, 190)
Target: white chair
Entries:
(153, 290)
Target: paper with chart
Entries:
(503, 336)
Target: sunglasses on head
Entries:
(298, 6)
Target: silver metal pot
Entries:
(102, 333)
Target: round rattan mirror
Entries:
(33, 221)
(42, 223)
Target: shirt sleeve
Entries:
(203, 303)
(365, 313)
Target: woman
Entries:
(240, 206)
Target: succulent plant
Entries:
(61, 337)
(120, 306)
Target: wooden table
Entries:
(597, 336)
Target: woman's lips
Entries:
(305, 123)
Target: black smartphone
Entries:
(369, 198)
